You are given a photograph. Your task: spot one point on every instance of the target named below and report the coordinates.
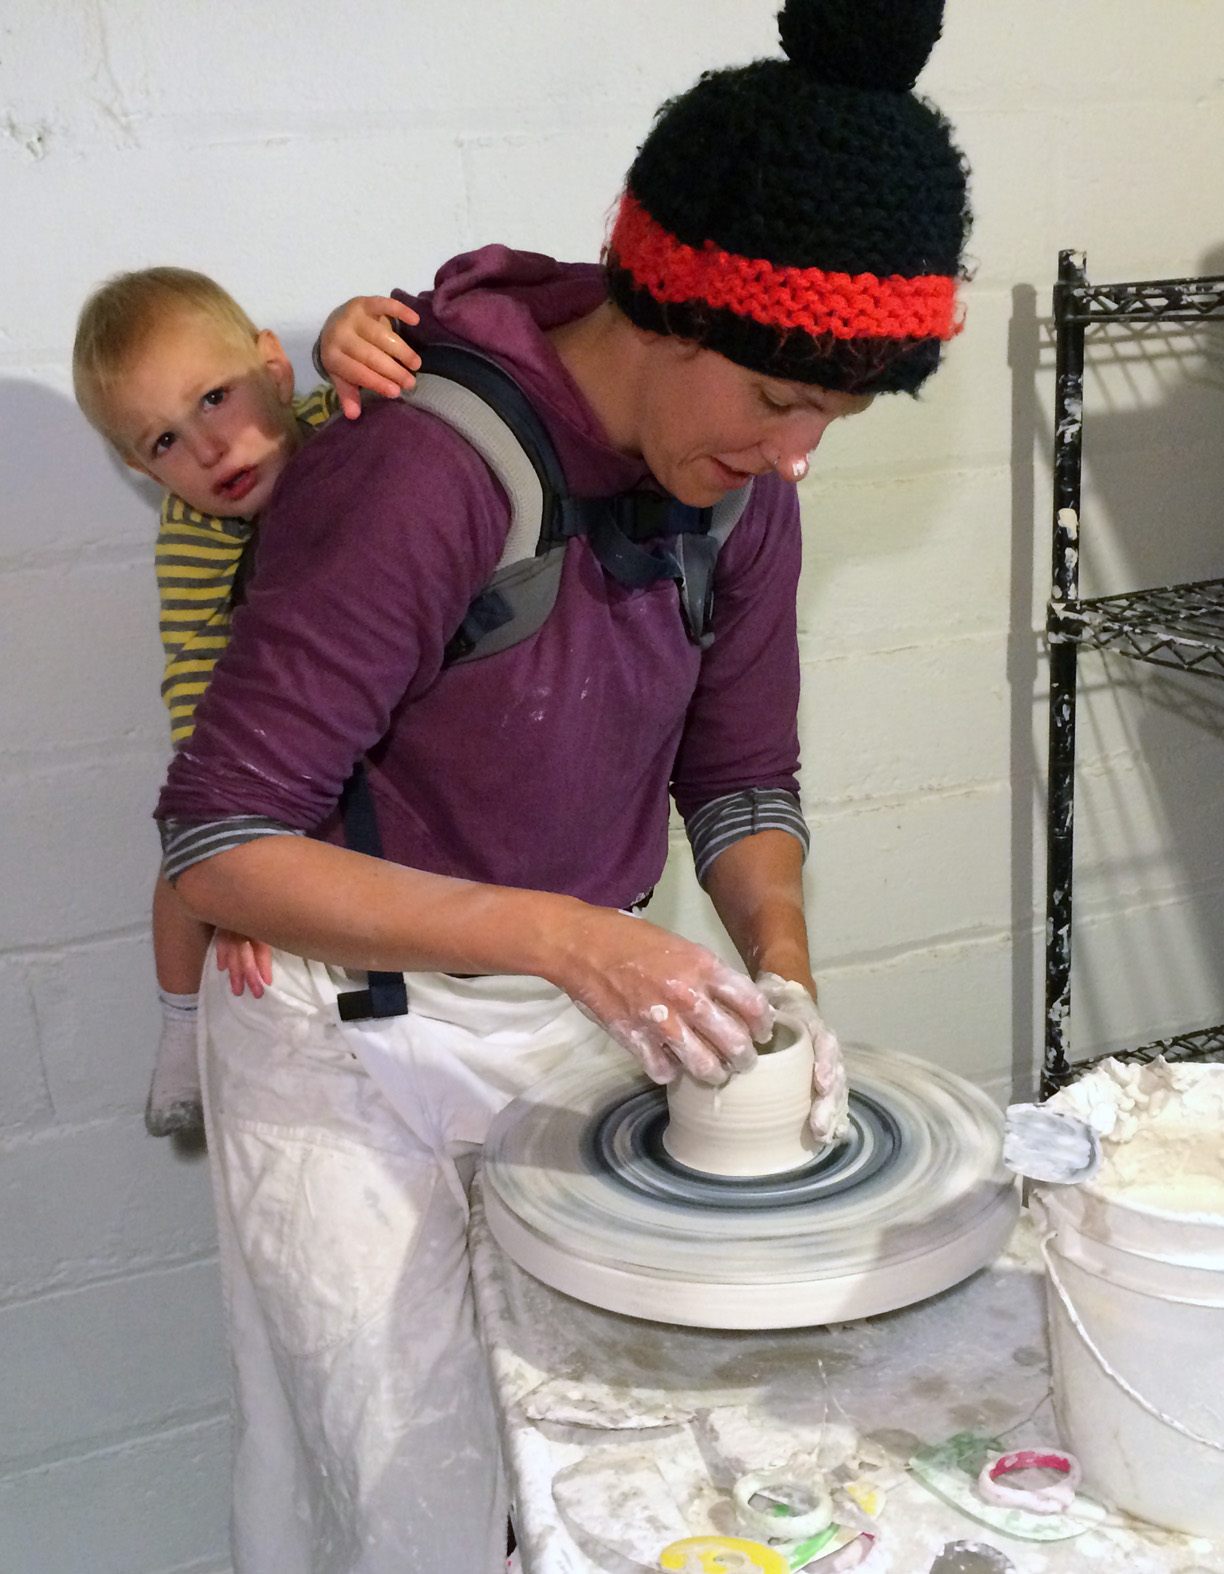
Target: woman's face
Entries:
(706, 425)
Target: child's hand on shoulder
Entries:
(360, 349)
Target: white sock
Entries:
(174, 1103)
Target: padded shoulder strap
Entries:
(479, 424)
(489, 410)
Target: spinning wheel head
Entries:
(581, 1191)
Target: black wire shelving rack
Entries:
(1178, 626)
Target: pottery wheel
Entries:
(580, 1191)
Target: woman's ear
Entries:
(280, 367)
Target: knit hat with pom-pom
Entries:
(804, 217)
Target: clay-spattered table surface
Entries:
(622, 1435)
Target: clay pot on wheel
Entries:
(757, 1122)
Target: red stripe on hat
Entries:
(845, 305)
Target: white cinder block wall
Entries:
(305, 152)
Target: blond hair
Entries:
(122, 315)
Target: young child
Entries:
(175, 375)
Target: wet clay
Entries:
(757, 1122)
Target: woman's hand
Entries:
(248, 962)
(360, 349)
(672, 1004)
(830, 1117)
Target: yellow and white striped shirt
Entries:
(197, 559)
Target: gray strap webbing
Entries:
(697, 556)
(479, 424)
(726, 512)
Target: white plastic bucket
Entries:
(1136, 1307)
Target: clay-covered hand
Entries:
(360, 349)
(248, 962)
(672, 1004)
(830, 1112)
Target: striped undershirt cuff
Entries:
(187, 842)
(713, 828)
(723, 821)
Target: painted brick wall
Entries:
(303, 153)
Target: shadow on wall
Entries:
(62, 486)
(1022, 661)
(1152, 514)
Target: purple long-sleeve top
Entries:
(547, 766)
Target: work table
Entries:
(622, 1435)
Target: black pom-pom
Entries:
(861, 43)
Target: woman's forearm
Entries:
(756, 886)
(667, 1000)
(338, 906)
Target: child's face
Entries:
(206, 417)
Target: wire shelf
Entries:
(1206, 1044)
(1151, 300)
(1178, 626)
(1175, 626)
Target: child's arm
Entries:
(359, 348)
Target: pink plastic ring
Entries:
(1052, 1499)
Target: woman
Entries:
(787, 246)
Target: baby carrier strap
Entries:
(384, 994)
(638, 537)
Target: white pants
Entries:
(366, 1439)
